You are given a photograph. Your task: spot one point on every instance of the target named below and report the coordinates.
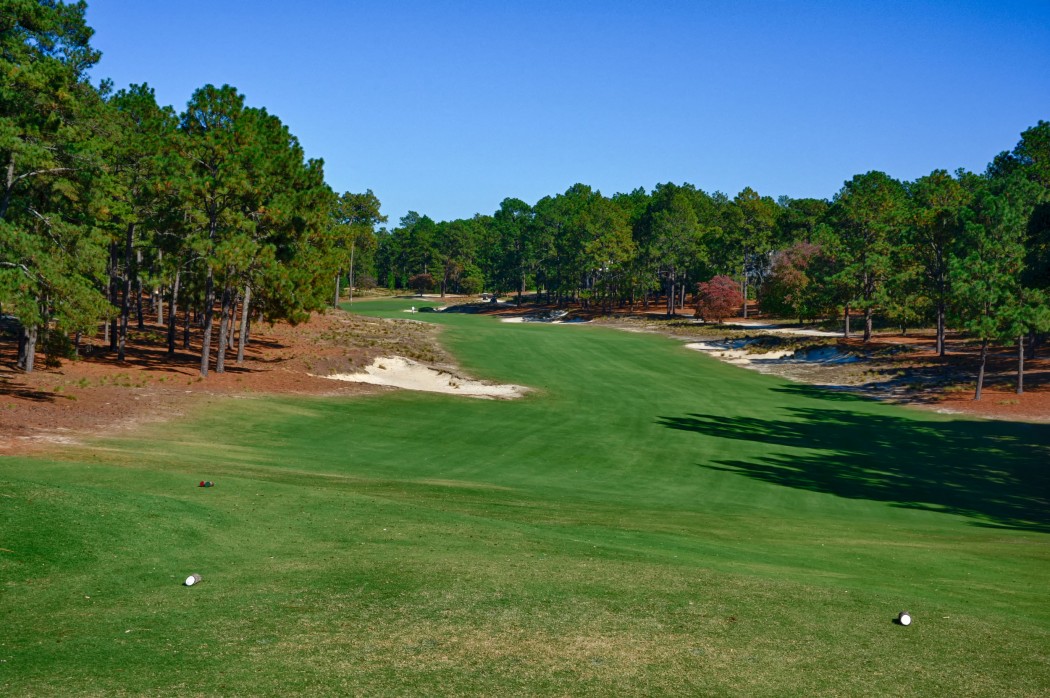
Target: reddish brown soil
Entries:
(96, 393)
(947, 383)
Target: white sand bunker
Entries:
(399, 372)
(550, 317)
(738, 356)
(735, 352)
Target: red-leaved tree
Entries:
(718, 299)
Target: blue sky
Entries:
(446, 108)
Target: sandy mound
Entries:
(398, 372)
(762, 327)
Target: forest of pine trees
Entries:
(214, 217)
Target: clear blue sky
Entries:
(446, 108)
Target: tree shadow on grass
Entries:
(997, 473)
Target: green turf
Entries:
(648, 522)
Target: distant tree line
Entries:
(963, 250)
(211, 217)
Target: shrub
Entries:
(421, 283)
(365, 281)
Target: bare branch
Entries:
(48, 228)
(34, 173)
(16, 265)
(41, 216)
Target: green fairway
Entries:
(648, 521)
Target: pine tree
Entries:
(867, 218)
(50, 254)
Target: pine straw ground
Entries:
(96, 393)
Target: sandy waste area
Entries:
(398, 372)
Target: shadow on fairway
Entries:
(995, 472)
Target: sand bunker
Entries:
(426, 309)
(739, 356)
(735, 352)
(398, 372)
(554, 317)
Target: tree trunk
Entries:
(224, 328)
(27, 348)
(350, 280)
(138, 296)
(980, 372)
(242, 337)
(940, 328)
(186, 327)
(867, 324)
(846, 318)
(113, 293)
(160, 294)
(125, 301)
(338, 279)
(209, 316)
(9, 186)
(1020, 364)
(173, 314)
(670, 295)
(743, 288)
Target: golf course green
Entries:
(646, 521)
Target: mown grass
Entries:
(647, 522)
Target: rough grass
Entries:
(649, 522)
